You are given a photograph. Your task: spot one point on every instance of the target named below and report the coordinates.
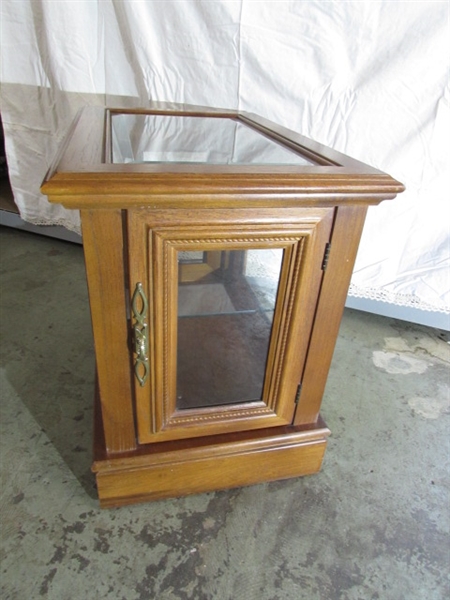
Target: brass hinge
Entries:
(297, 395)
(326, 256)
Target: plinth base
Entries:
(179, 468)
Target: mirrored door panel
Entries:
(225, 317)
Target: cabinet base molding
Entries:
(173, 469)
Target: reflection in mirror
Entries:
(144, 138)
(226, 302)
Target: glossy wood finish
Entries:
(81, 177)
(136, 217)
(184, 467)
(103, 248)
(229, 466)
(303, 233)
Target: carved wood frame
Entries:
(158, 418)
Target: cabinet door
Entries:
(222, 306)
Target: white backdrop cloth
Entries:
(369, 78)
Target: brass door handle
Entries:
(139, 307)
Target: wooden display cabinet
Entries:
(219, 249)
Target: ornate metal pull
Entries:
(139, 306)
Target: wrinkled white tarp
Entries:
(369, 78)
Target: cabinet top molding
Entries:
(173, 156)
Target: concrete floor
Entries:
(372, 525)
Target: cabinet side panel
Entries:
(103, 248)
(345, 238)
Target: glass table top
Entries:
(149, 138)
